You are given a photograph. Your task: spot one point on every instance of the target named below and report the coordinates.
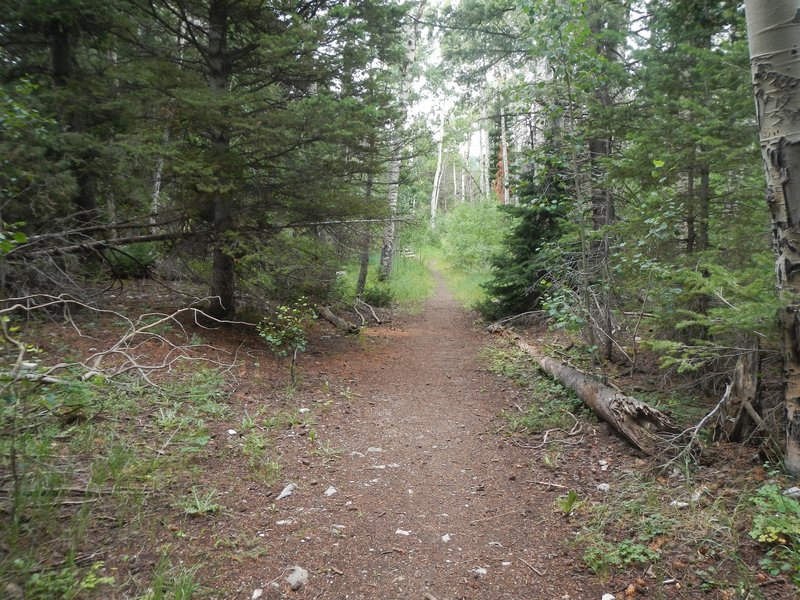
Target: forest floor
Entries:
(406, 484)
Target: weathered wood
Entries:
(734, 418)
(635, 421)
(337, 321)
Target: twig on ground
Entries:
(497, 516)
(532, 568)
(550, 484)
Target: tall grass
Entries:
(412, 282)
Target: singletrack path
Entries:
(430, 502)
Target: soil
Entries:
(429, 499)
(405, 486)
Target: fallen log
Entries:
(634, 420)
(337, 321)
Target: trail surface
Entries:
(428, 498)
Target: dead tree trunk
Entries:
(337, 321)
(632, 419)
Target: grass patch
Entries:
(551, 404)
(411, 283)
(85, 455)
(709, 535)
(409, 286)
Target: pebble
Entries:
(446, 538)
(330, 491)
(608, 597)
(303, 411)
(231, 432)
(792, 492)
(603, 487)
(403, 532)
(287, 491)
(297, 578)
(679, 504)
(478, 572)
(257, 593)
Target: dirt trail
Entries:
(428, 499)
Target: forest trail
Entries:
(429, 501)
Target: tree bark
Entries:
(773, 31)
(337, 321)
(437, 178)
(406, 79)
(366, 243)
(703, 200)
(504, 156)
(223, 284)
(64, 40)
(634, 420)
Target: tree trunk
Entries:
(406, 79)
(390, 230)
(437, 178)
(504, 156)
(691, 235)
(773, 29)
(366, 243)
(337, 321)
(634, 420)
(484, 158)
(64, 40)
(703, 199)
(223, 285)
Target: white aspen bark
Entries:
(484, 158)
(773, 31)
(455, 180)
(155, 198)
(437, 178)
(406, 79)
(504, 144)
(463, 184)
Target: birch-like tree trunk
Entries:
(773, 30)
(437, 178)
(406, 79)
(504, 155)
(484, 158)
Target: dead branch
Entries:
(372, 310)
(693, 432)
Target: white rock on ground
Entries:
(478, 572)
(257, 593)
(603, 487)
(608, 597)
(402, 532)
(297, 578)
(330, 491)
(792, 492)
(287, 491)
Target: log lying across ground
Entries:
(327, 314)
(634, 420)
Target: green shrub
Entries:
(378, 294)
